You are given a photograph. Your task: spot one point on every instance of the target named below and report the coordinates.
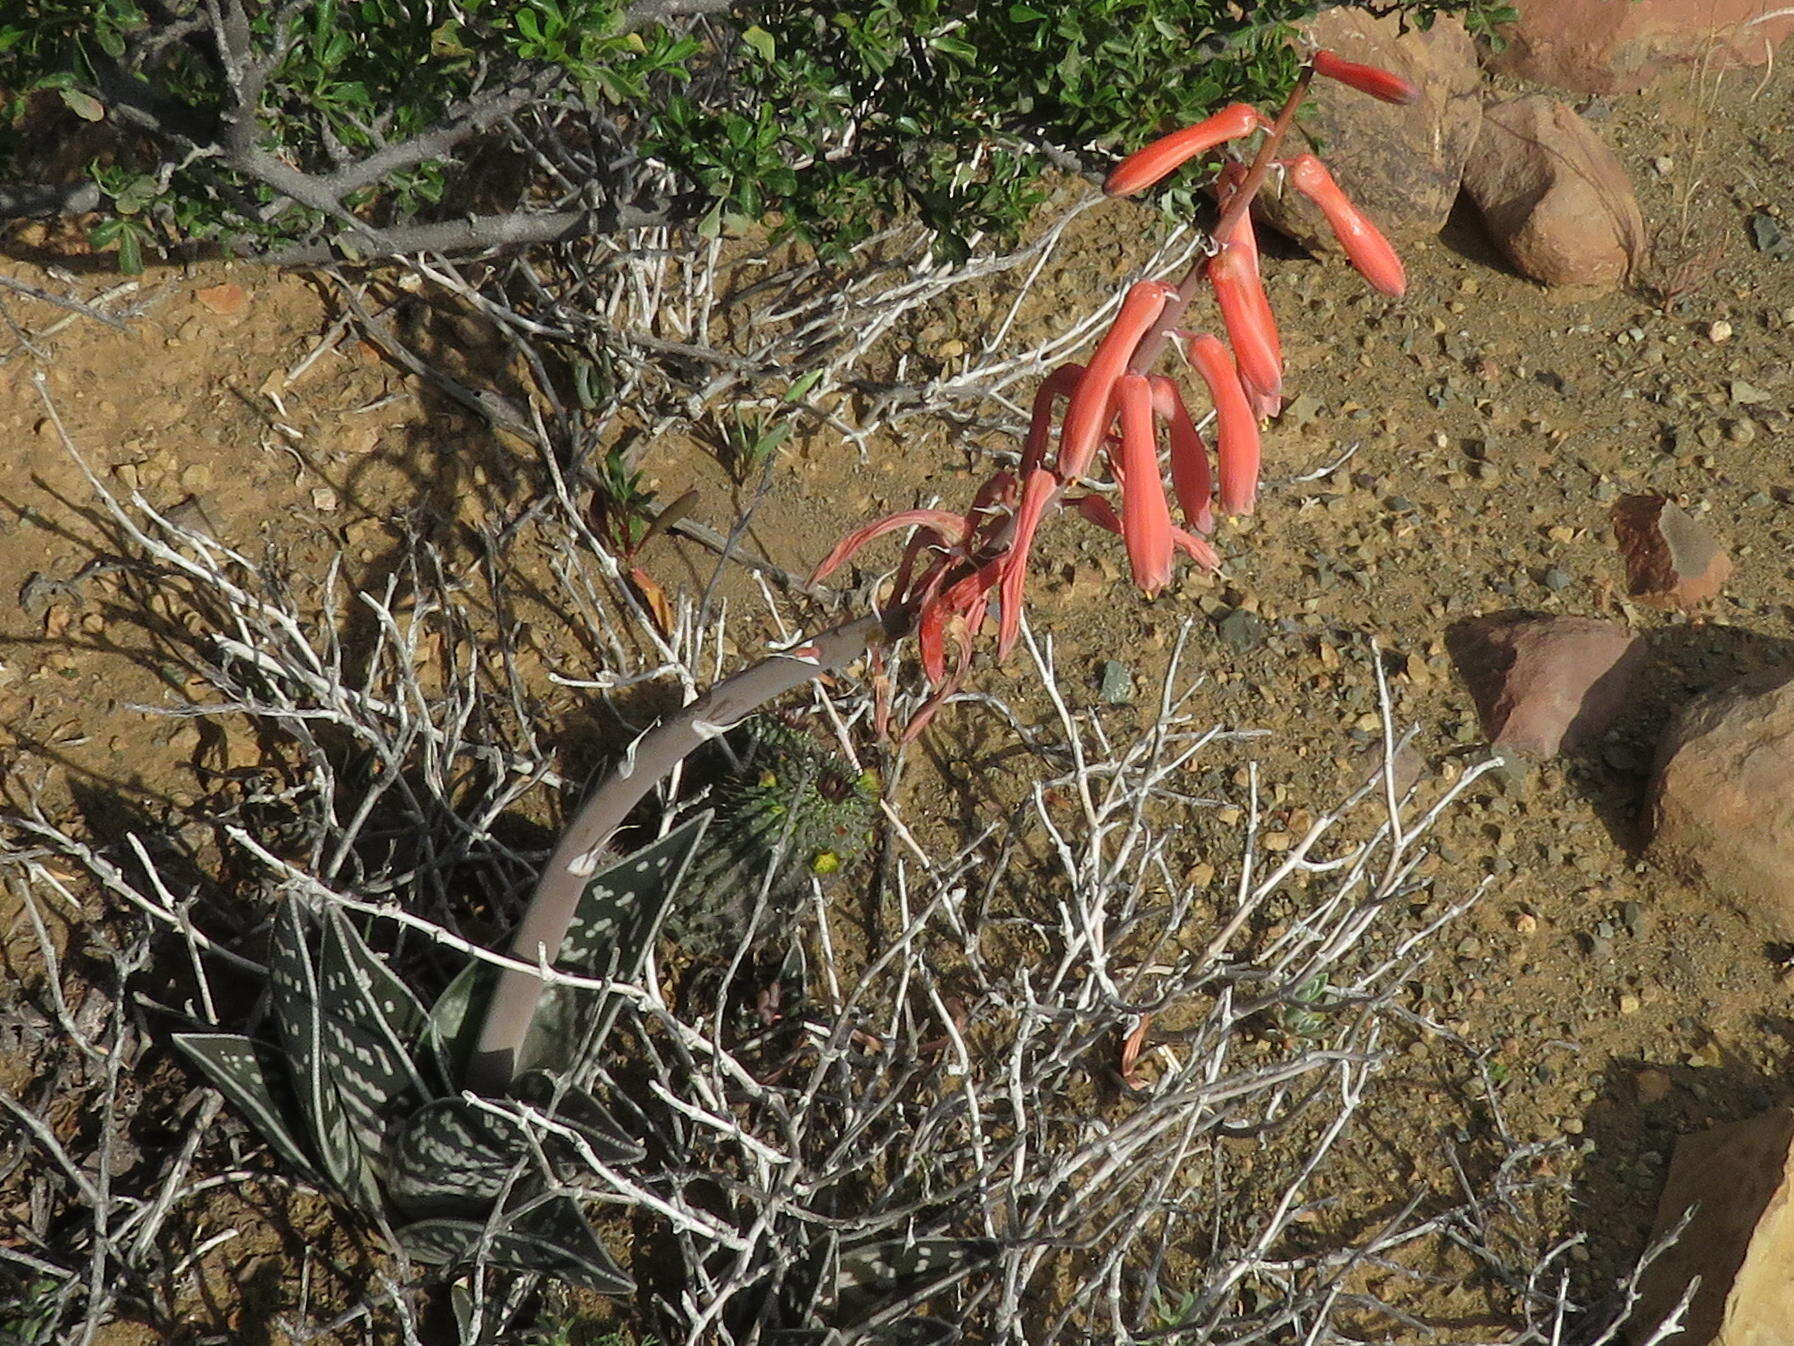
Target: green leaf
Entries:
(455, 1021)
(550, 1236)
(795, 393)
(370, 1025)
(954, 45)
(253, 1077)
(574, 1107)
(85, 106)
(299, 1017)
(453, 1158)
(763, 42)
(130, 252)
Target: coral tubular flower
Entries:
(962, 607)
(1145, 517)
(1238, 448)
(1089, 414)
(1146, 166)
(1062, 382)
(1189, 456)
(949, 529)
(1368, 79)
(1037, 491)
(1250, 325)
(1368, 250)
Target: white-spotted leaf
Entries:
(252, 1076)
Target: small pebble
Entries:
(1115, 683)
(323, 499)
(1719, 331)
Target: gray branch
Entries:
(475, 233)
(38, 198)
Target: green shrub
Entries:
(282, 128)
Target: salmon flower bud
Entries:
(1189, 456)
(1237, 427)
(1364, 244)
(1145, 517)
(1250, 325)
(1364, 78)
(1089, 414)
(1146, 166)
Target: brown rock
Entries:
(1722, 803)
(1733, 1183)
(1599, 46)
(1554, 198)
(1672, 559)
(1547, 684)
(228, 300)
(1401, 165)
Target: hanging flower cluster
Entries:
(1115, 407)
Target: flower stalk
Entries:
(952, 562)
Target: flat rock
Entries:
(1735, 1179)
(1545, 685)
(228, 300)
(1722, 809)
(1673, 560)
(1400, 165)
(1603, 47)
(1554, 198)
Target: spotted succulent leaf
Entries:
(253, 1078)
(549, 1235)
(368, 1026)
(299, 1016)
(614, 926)
(875, 1275)
(573, 1107)
(454, 1158)
(621, 908)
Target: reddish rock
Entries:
(1722, 802)
(1400, 164)
(1619, 46)
(1735, 1185)
(228, 300)
(1547, 684)
(1672, 559)
(1553, 197)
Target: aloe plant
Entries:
(361, 1088)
